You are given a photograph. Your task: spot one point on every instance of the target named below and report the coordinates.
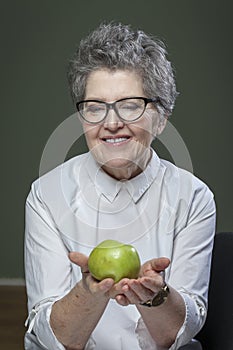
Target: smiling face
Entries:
(122, 149)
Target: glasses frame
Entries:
(113, 107)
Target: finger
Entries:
(98, 287)
(142, 291)
(105, 285)
(154, 284)
(153, 266)
(122, 300)
(119, 288)
(80, 260)
(132, 297)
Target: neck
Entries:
(130, 170)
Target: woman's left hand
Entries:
(136, 291)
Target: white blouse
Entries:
(164, 211)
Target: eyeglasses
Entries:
(127, 109)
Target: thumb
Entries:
(79, 259)
(160, 264)
(155, 265)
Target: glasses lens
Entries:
(130, 108)
(92, 111)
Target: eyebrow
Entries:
(105, 100)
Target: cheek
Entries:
(91, 134)
(146, 130)
(143, 137)
(147, 138)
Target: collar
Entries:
(110, 187)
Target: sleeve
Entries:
(47, 272)
(191, 262)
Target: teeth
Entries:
(120, 139)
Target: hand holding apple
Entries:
(150, 281)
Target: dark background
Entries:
(38, 37)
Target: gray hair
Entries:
(116, 46)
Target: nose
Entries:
(112, 121)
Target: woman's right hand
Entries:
(93, 286)
(87, 301)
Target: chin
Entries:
(117, 164)
(121, 169)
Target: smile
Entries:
(116, 140)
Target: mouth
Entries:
(115, 140)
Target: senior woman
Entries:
(124, 90)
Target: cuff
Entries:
(40, 334)
(194, 319)
(39, 326)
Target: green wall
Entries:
(38, 37)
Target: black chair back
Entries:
(217, 333)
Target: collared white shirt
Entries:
(164, 211)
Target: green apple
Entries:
(115, 260)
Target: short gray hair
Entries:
(116, 46)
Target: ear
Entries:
(162, 124)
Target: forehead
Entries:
(109, 85)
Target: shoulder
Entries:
(188, 197)
(60, 179)
(184, 185)
(185, 177)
